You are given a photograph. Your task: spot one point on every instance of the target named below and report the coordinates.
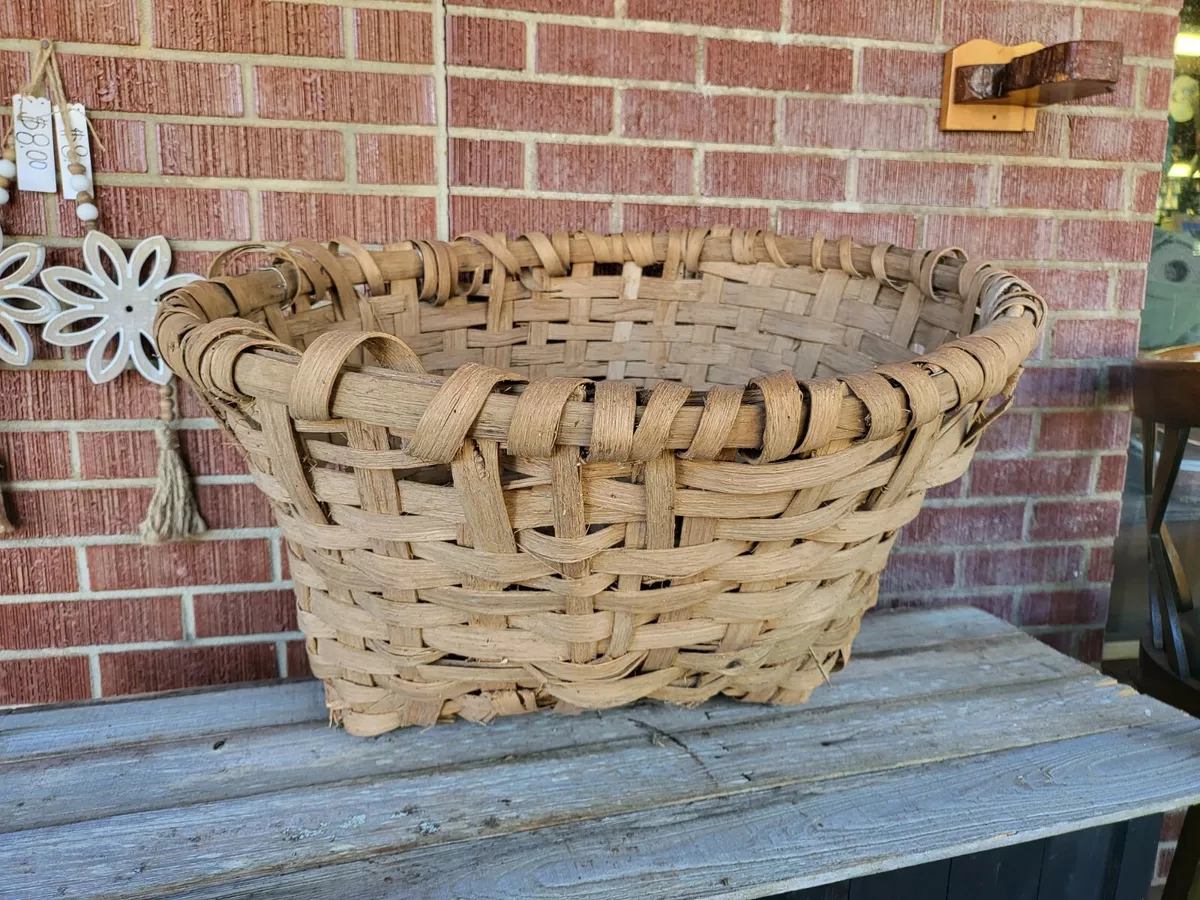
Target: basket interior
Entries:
(723, 324)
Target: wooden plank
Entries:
(152, 853)
(1074, 866)
(761, 843)
(45, 791)
(26, 733)
(1134, 867)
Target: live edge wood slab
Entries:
(949, 733)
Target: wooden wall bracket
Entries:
(991, 87)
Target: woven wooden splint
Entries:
(580, 470)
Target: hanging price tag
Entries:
(34, 136)
(77, 118)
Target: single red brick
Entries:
(328, 95)
(774, 175)
(1010, 237)
(1075, 385)
(1084, 645)
(1052, 187)
(529, 106)
(1158, 87)
(476, 163)
(1100, 566)
(393, 35)
(372, 218)
(904, 20)
(1044, 142)
(257, 612)
(1069, 288)
(70, 20)
(949, 491)
(34, 455)
(37, 570)
(865, 228)
(686, 116)
(1005, 21)
(56, 513)
(249, 26)
(1120, 384)
(488, 43)
(645, 55)
(124, 144)
(762, 15)
(1093, 429)
(908, 571)
(394, 158)
(54, 679)
(660, 217)
(1031, 476)
(231, 151)
(1131, 288)
(868, 126)
(1091, 239)
(1140, 32)
(778, 67)
(959, 525)
(560, 7)
(1145, 191)
(1172, 825)
(517, 215)
(597, 169)
(46, 394)
(1095, 338)
(134, 454)
(1110, 474)
(1118, 140)
(922, 183)
(83, 623)
(297, 660)
(146, 671)
(901, 73)
(115, 567)
(14, 67)
(1065, 520)
(159, 86)
(233, 506)
(1022, 565)
(177, 213)
(1011, 432)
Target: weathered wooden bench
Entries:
(954, 757)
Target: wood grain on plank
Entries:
(759, 844)
(44, 791)
(153, 853)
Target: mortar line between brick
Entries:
(441, 88)
(281, 658)
(187, 616)
(94, 678)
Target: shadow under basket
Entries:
(579, 470)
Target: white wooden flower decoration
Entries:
(21, 303)
(112, 308)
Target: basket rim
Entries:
(204, 336)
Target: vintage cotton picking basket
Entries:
(580, 470)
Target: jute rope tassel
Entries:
(172, 515)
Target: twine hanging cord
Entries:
(45, 72)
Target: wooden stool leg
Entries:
(1169, 593)
(1183, 883)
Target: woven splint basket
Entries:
(576, 471)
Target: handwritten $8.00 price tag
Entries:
(33, 132)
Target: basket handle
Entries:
(322, 362)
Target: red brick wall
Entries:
(268, 120)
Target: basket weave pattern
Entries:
(582, 470)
